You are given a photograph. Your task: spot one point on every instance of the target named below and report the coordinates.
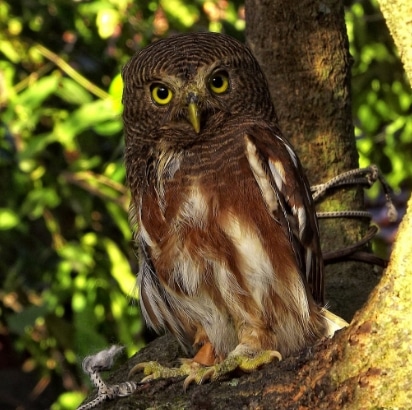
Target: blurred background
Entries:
(67, 265)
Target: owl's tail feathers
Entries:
(333, 322)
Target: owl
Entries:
(228, 241)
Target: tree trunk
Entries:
(398, 15)
(303, 49)
(375, 363)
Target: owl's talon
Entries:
(241, 358)
(243, 361)
(208, 375)
(147, 379)
(154, 370)
(188, 381)
(249, 363)
(149, 369)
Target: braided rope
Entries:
(93, 365)
(360, 176)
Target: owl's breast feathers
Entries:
(229, 244)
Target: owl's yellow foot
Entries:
(154, 370)
(237, 359)
(240, 358)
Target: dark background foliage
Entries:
(67, 263)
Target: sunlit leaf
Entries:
(116, 91)
(107, 20)
(8, 219)
(38, 91)
(84, 118)
(72, 92)
(368, 118)
(78, 256)
(183, 12)
(120, 267)
(6, 47)
(79, 302)
(109, 128)
(68, 401)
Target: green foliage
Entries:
(382, 98)
(66, 261)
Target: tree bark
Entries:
(303, 49)
(398, 16)
(375, 362)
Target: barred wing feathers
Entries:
(285, 190)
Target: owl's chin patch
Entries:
(179, 131)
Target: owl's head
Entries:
(186, 85)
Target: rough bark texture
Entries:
(376, 361)
(367, 365)
(303, 49)
(398, 16)
(300, 382)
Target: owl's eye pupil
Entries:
(219, 82)
(161, 95)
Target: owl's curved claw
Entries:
(199, 376)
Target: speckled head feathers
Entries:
(184, 65)
(184, 54)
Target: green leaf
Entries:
(6, 47)
(19, 322)
(78, 256)
(72, 92)
(87, 116)
(68, 401)
(181, 12)
(120, 267)
(39, 199)
(35, 145)
(109, 128)
(107, 21)
(37, 92)
(8, 219)
(116, 92)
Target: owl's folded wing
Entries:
(285, 189)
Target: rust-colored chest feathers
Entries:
(227, 233)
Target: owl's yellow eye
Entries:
(219, 82)
(161, 95)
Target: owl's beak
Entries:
(193, 114)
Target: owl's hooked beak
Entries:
(193, 114)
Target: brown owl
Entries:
(230, 261)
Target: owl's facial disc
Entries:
(217, 84)
(193, 114)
